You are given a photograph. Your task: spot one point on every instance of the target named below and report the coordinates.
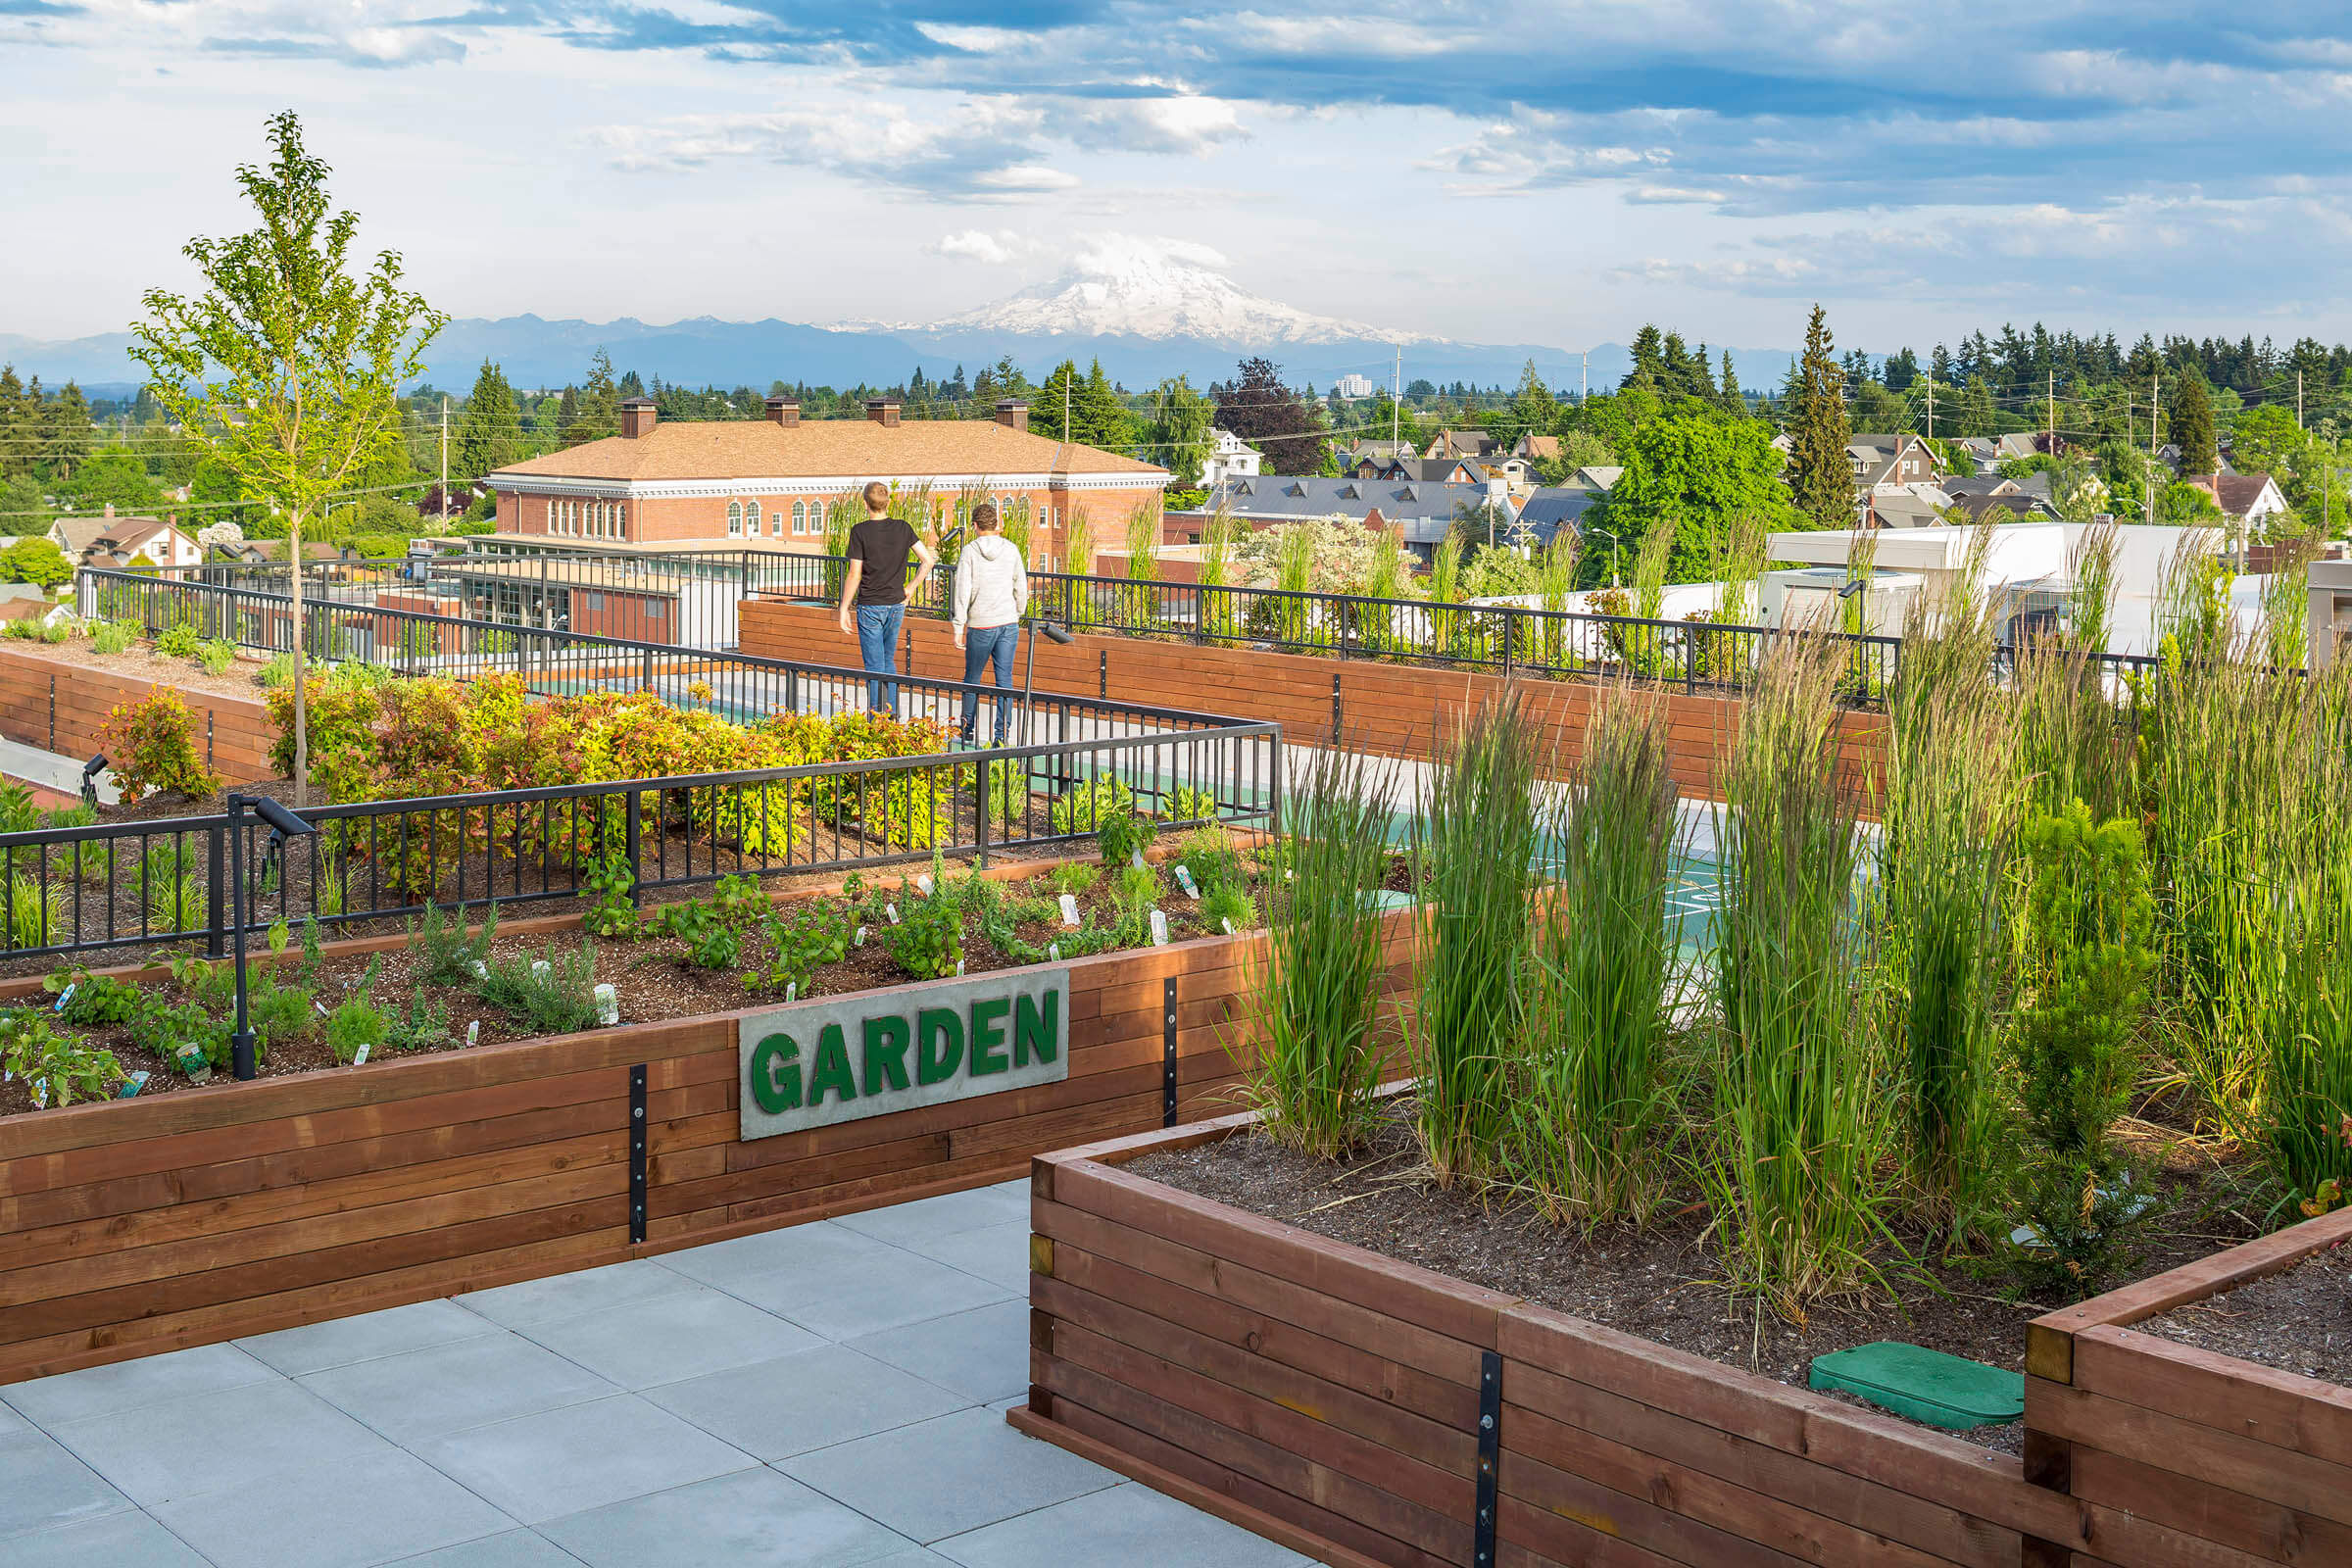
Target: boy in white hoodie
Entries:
(992, 595)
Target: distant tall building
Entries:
(1353, 385)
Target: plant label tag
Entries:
(1183, 880)
(40, 1095)
(792, 989)
(481, 970)
(891, 910)
(607, 1004)
(66, 996)
(358, 1058)
(1289, 875)
(321, 1007)
(192, 1061)
(1159, 929)
(1135, 856)
(539, 969)
(922, 884)
(1054, 950)
(1069, 910)
(861, 942)
(473, 1031)
(132, 1085)
(1229, 930)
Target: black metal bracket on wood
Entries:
(53, 710)
(1490, 1447)
(637, 1152)
(1335, 706)
(1167, 1052)
(1102, 674)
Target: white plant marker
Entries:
(792, 989)
(1054, 950)
(958, 968)
(1159, 929)
(1069, 910)
(861, 942)
(1229, 930)
(539, 969)
(358, 1058)
(891, 910)
(473, 1031)
(922, 884)
(1183, 880)
(607, 1004)
(481, 971)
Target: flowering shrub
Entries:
(152, 745)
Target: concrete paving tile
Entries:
(982, 1355)
(187, 1446)
(126, 1384)
(531, 1301)
(42, 1486)
(820, 1248)
(942, 1478)
(672, 1337)
(448, 1388)
(517, 1548)
(997, 1253)
(911, 1558)
(882, 1291)
(755, 1519)
(316, 1346)
(928, 1218)
(12, 1423)
(347, 1515)
(1123, 1523)
(125, 1540)
(541, 1467)
(809, 1400)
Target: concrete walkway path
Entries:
(825, 1396)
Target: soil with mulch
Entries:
(652, 981)
(141, 662)
(2298, 1320)
(1664, 1283)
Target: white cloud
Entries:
(1183, 124)
(994, 248)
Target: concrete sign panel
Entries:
(817, 1064)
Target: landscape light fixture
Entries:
(90, 778)
(283, 824)
(1059, 636)
(1854, 587)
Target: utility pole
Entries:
(2154, 378)
(1931, 404)
(1396, 393)
(445, 458)
(1584, 385)
(2051, 392)
(2298, 400)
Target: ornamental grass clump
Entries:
(1477, 836)
(1591, 1108)
(1795, 1165)
(1314, 1065)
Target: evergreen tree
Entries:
(596, 410)
(1059, 395)
(66, 431)
(1532, 411)
(1649, 360)
(2191, 423)
(1101, 416)
(19, 426)
(490, 430)
(1727, 389)
(1819, 472)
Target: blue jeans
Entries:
(980, 645)
(878, 650)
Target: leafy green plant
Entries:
(217, 657)
(711, 942)
(96, 1000)
(178, 641)
(739, 900)
(113, 636)
(2089, 919)
(424, 1025)
(152, 745)
(1314, 1065)
(355, 1024)
(445, 953)
(18, 812)
(163, 1030)
(928, 940)
(614, 914)
(1137, 884)
(560, 999)
(277, 672)
(1591, 1118)
(55, 1066)
(1476, 834)
(1228, 904)
(1076, 878)
(1190, 805)
(1208, 855)
(799, 944)
(1085, 807)
(1124, 837)
(36, 914)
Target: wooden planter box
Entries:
(1331, 1399)
(133, 1226)
(2156, 1438)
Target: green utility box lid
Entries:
(1386, 899)
(1945, 1390)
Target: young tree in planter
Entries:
(309, 357)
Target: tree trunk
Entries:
(301, 727)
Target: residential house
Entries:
(1422, 512)
(1984, 452)
(1917, 505)
(2245, 498)
(2022, 506)
(1597, 476)
(772, 484)
(1471, 443)
(1229, 458)
(1537, 448)
(1889, 462)
(1551, 508)
(1378, 451)
(130, 542)
(37, 607)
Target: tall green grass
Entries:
(1476, 839)
(1315, 1063)
(1795, 1167)
(2305, 1115)
(1591, 1114)
(2092, 565)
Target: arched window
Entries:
(734, 518)
(800, 516)
(620, 520)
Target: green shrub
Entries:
(36, 914)
(445, 954)
(355, 1024)
(163, 1030)
(799, 944)
(277, 672)
(18, 814)
(1190, 805)
(712, 941)
(928, 940)
(56, 1067)
(1085, 807)
(178, 641)
(98, 1001)
(1076, 878)
(152, 745)
(560, 1001)
(422, 1026)
(113, 636)
(1227, 904)
(1209, 855)
(218, 656)
(1123, 838)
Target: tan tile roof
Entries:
(830, 449)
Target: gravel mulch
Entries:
(141, 662)
(2298, 1320)
(1663, 1283)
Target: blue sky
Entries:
(1501, 173)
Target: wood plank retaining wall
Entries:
(50, 702)
(1391, 709)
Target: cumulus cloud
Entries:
(994, 248)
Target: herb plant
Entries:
(56, 1066)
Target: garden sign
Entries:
(823, 1063)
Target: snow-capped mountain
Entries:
(1126, 286)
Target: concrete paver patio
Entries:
(827, 1396)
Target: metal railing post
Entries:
(634, 839)
(215, 891)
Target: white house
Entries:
(143, 541)
(1231, 458)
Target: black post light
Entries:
(1061, 638)
(89, 779)
(285, 825)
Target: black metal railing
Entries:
(738, 686)
(126, 886)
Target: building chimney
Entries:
(637, 416)
(109, 510)
(784, 410)
(1012, 413)
(883, 411)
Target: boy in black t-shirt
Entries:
(876, 588)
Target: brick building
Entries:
(768, 484)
